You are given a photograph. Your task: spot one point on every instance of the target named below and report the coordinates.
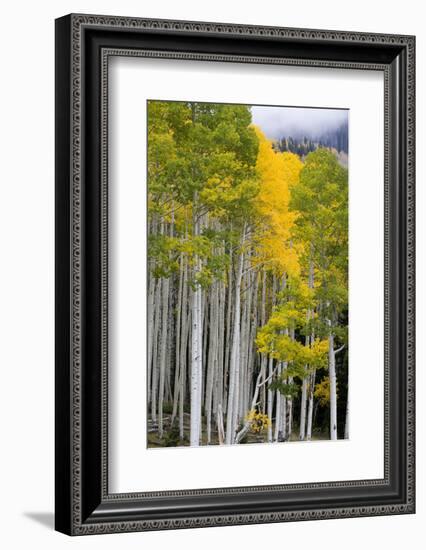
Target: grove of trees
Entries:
(247, 283)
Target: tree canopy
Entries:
(247, 286)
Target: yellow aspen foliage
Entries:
(258, 421)
(277, 173)
(322, 391)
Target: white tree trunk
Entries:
(282, 436)
(263, 357)
(278, 417)
(150, 308)
(303, 409)
(177, 346)
(252, 330)
(234, 371)
(155, 366)
(196, 350)
(289, 414)
(310, 406)
(151, 316)
(260, 382)
(196, 369)
(219, 381)
(163, 355)
(308, 342)
(220, 428)
(228, 336)
(333, 393)
(347, 416)
(270, 401)
(212, 357)
(270, 370)
(242, 366)
(183, 352)
(290, 400)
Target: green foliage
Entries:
(288, 389)
(201, 165)
(291, 314)
(320, 202)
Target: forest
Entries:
(247, 293)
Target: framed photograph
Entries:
(234, 274)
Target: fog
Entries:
(297, 122)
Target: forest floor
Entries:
(171, 434)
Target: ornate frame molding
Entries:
(72, 48)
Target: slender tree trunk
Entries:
(220, 428)
(290, 400)
(228, 336)
(150, 306)
(270, 401)
(333, 392)
(205, 336)
(163, 355)
(155, 366)
(171, 326)
(177, 343)
(303, 406)
(281, 407)
(308, 342)
(260, 382)
(310, 405)
(263, 357)
(243, 348)
(151, 315)
(212, 358)
(183, 361)
(196, 347)
(278, 416)
(270, 369)
(252, 329)
(168, 393)
(285, 405)
(234, 371)
(219, 381)
(347, 416)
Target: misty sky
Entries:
(276, 122)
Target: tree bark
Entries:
(347, 415)
(333, 389)
(270, 369)
(278, 417)
(177, 341)
(196, 347)
(163, 356)
(155, 366)
(150, 308)
(303, 407)
(212, 358)
(234, 371)
(263, 357)
(260, 382)
(228, 335)
(308, 342)
(183, 351)
(310, 405)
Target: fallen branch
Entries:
(259, 384)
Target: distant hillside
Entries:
(303, 144)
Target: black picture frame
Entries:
(83, 45)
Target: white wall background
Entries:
(27, 263)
